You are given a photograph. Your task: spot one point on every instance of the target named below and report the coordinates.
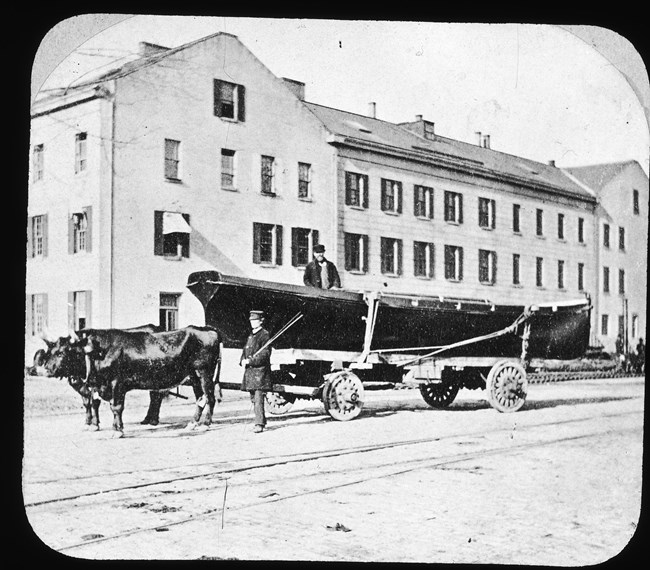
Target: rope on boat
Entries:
(511, 329)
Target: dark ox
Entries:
(143, 361)
(89, 396)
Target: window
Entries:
(356, 189)
(229, 100)
(604, 325)
(423, 259)
(36, 314)
(581, 230)
(605, 279)
(79, 231)
(539, 271)
(172, 159)
(80, 150)
(487, 266)
(560, 274)
(486, 213)
(423, 202)
(391, 256)
(581, 276)
(560, 226)
(38, 154)
(79, 309)
(391, 196)
(168, 312)
(453, 263)
(268, 175)
(356, 252)
(516, 261)
(172, 234)
(606, 235)
(635, 325)
(453, 207)
(621, 239)
(516, 214)
(37, 236)
(539, 222)
(635, 204)
(303, 241)
(227, 168)
(304, 180)
(267, 244)
(621, 281)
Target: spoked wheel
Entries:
(278, 404)
(507, 386)
(439, 394)
(343, 396)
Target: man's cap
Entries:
(257, 315)
(319, 248)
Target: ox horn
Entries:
(74, 337)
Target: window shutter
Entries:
(46, 319)
(399, 198)
(494, 214)
(89, 228)
(347, 246)
(432, 258)
(157, 233)
(185, 246)
(278, 245)
(430, 204)
(460, 209)
(348, 178)
(383, 196)
(294, 247)
(365, 191)
(29, 299)
(71, 325)
(257, 232)
(494, 268)
(384, 265)
(89, 309)
(217, 98)
(365, 253)
(314, 237)
(30, 247)
(45, 235)
(399, 257)
(415, 200)
(241, 103)
(460, 264)
(70, 233)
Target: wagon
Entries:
(334, 345)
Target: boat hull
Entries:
(335, 320)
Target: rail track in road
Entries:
(360, 472)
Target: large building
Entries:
(198, 157)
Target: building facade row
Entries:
(178, 162)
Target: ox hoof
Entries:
(118, 434)
(191, 426)
(93, 428)
(202, 427)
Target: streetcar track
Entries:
(285, 459)
(413, 465)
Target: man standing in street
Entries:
(321, 272)
(256, 358)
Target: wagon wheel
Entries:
(279, 404)
(507, 386)
(439, 394)
(343, 396)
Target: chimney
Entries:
(146, 49)
(480, 138)
(296, 87)
(372, 110)
(551, 163)
(486, 141)
(418, 117)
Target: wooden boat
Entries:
(353, 322)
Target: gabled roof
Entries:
(596, 176)
(362, 130)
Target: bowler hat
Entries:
(319, 248)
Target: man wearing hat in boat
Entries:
(321, 272)
(256, 358)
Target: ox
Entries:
(143, 361)
(89, 396)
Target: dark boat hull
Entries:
(335, 320)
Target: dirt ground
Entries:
(557, 483)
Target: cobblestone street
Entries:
(557, 483)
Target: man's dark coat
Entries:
(257, 375)
(312, 278)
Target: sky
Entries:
(539, 91)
